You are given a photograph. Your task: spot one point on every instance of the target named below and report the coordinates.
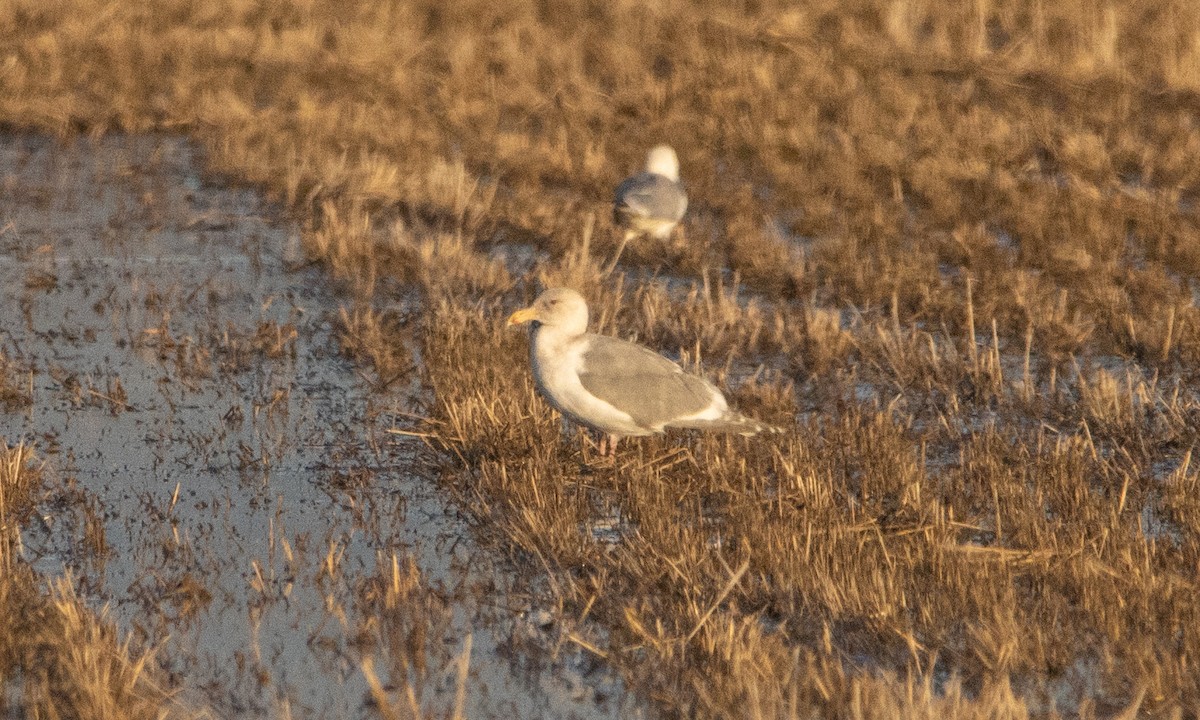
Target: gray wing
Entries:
(649, 195)
(650, 388)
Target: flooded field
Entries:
(952, 251)
(222, 478)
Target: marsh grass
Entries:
(58, 658)
(376, 338)
(13, 395)
(953, 250)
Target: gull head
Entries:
(561, 309)
(662, 160)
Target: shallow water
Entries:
(221, 476)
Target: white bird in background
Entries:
(651, 202)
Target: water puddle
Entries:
(223, 478)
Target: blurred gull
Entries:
(613, 386)
(651, 202)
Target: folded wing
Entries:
(649, 196)
(653, 390)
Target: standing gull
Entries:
(613, 386)
(651, 202)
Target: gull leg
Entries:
(678, 237)
(605, 444)
(612, 264)
(608, 445)
(612, 445)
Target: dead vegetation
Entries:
(961, 242)
(377, 339)
(13, 395)
(57, 657)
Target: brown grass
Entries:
(59, 659)
(14, 395)
(960, 241)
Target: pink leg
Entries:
(607, 444)
(612, 444)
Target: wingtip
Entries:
(758, 427)
(761, 429)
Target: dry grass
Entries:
(377, 339)
(20, 477)
(13, 395)
(404, 621)
(59, 659)
(961, 241)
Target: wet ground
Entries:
(222, 478)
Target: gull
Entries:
(615, 387)
(651, 202)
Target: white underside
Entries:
(655, 227)
(556, 371)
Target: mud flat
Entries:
(221, 476)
